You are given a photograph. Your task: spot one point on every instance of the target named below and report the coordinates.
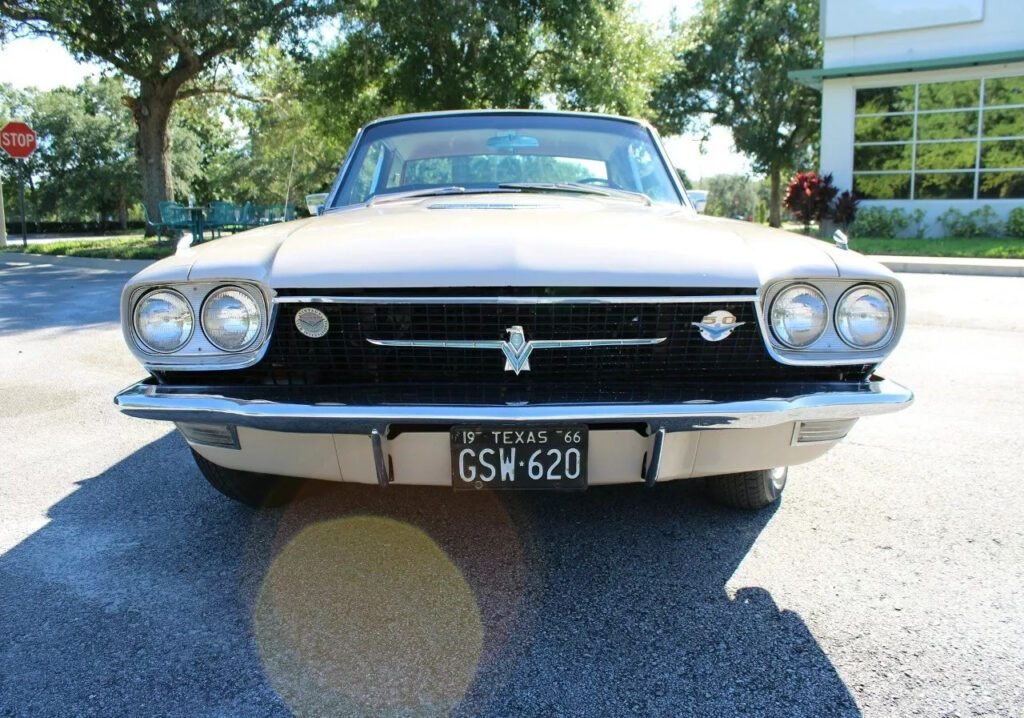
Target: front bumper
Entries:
(630, 442)
(147, 400)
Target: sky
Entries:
(45, 64)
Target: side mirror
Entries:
(315, 203)
(701, 205)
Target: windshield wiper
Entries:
(423, 192)
(575, 188)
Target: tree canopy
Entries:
(731, 69)
(170, 50)
(419, 55)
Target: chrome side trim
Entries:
(321, 299)
(151, 401)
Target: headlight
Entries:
(864, 317)
(231, 319)
(163, 321)
(799, 316)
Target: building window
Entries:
(940, 140)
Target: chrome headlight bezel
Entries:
(138, 332)
(839, 323)
(199, 353)
(830, 349)
(256, 332)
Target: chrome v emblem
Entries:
(516, 348)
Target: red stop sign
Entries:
(17, 139)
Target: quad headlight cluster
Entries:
(230, 318)
(863, 316)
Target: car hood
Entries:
(521, 240)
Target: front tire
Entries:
(247, 487)
(751, 490)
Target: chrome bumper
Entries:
(152, 401)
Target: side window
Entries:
(367, 175)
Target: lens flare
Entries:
(366, 614)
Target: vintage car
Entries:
(503, 300)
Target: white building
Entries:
(923, 103)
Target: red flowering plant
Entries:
(809, 197)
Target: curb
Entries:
(127, 266)
(953, 265)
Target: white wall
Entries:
(903, 30)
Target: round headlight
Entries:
(799, 316)
(864, 317)
(231, 319)
(163, 321)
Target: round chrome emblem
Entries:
(311, 322)
(718, 325)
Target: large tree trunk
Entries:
(122, 209)
(152, 110)
(774, 197)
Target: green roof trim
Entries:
(814, 78)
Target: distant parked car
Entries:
(504, 300)
(699, 197)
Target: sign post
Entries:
(19, 141)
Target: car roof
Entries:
(506, 112)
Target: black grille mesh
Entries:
(344, 357)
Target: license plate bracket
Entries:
(517, 458)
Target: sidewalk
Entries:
(953, 265)
(911, 265)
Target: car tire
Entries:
(247, 487)
(751, 490)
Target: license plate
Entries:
(516, 458)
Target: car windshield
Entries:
(506, 153)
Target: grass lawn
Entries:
(977, 247)
(122, 248)
(985, 247)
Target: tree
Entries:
(417, 55)
(730, 196)
(731, 70)
(171, 50)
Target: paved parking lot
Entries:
(890, 580)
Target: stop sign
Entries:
(17, 139)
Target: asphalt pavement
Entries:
(889, 581)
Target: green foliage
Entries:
(414, 55)
(1015, 223)
(882, 222)
(730, 196)
(731, 67)
(982, 222)
(761, 213)
(957, 247)
(171, 50)
(274, 140)
(121, 248)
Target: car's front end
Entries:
(525, 337)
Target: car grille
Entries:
(344, 357)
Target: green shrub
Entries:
(882, 222)
(1015, 223)
(982, 222)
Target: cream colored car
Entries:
(506, 300)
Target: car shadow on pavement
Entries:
(149, 593)
(44, 296)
